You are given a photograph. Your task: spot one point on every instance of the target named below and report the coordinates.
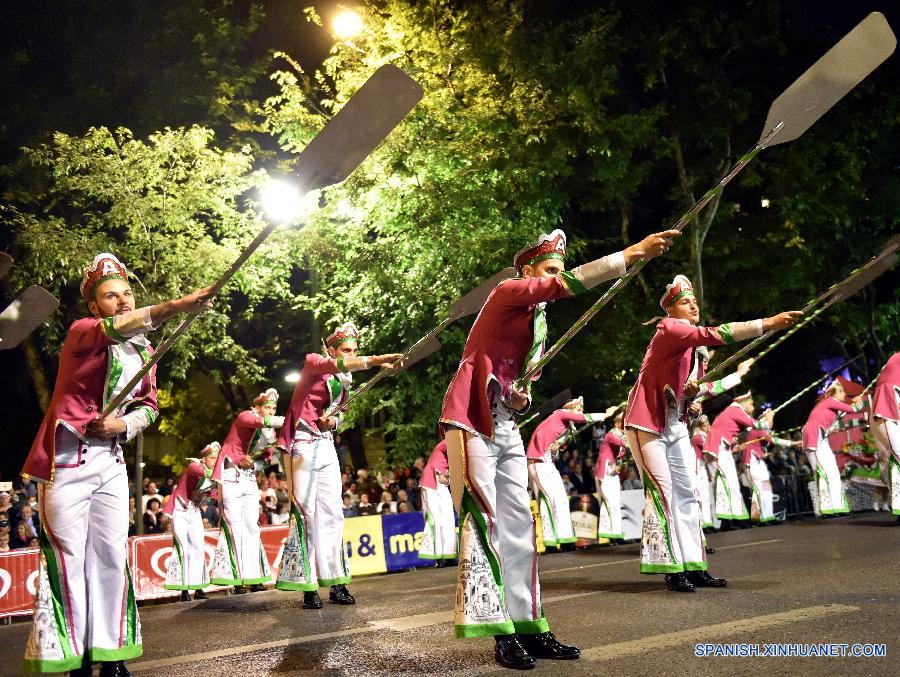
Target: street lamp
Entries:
(281, 201)
(347, 24)
(292, 377)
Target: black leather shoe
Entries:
(199, 594)
(340, 595)
(709, 551)
(185, 596)
(311, 600)
(678, 583)
(545, 645)
(510, 653)
(257, 587)
(702, 579)
(239, 590)
(83, 671)
(116, 669)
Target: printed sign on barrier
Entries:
(402, 540)
(18, 573)
(364, 545)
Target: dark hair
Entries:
(153, 500)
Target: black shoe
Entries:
(185, 596)
(83, 671)
(340, 595)
(257, 587)
(116, 669)
(311, 600)
(702, 579)
(709, 551)
(239, 590)
(510, 653)
(199, 594)
(545, 645)
(678, 583)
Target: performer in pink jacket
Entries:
(439, 538)
(314, 554)
(656, 429)
(832, 405)
(885, 420)
(702, 473)
(240, 559)
(606, 475)
(84, 610)
(187, 568)
(546, 482)
(498, 593)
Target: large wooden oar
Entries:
(813, 385)
(549, 406)
(346, 140)
(825, 83)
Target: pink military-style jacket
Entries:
(89, 371)
(437, 462)
(551, 429)
(194, 478)
(318, 390)
(697, 441)
(820, 419)
(241, 439)
(612, 449)
(670, 360)
(754, 447)
(727, 426)
(887, 391)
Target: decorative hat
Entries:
(346, 332)
(552, 246)
(577, 403)
(105, 266)
(211, 448)
(850, 388)
(271, 395)
(680, 286)
(743, 398)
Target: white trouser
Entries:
(489, 481)
(83, 573)
(556, 519)
(187, 564)
(314, 552)
(887, 437)
(828, 479)
(762, 507)
(439, 539)
(671, 538)
(703, 492)
(609, 524)
(729, 501)
(240, 558)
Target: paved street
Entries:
(816, 581)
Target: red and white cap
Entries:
(678, 288)
(104, 267)
(743, 398)
(346, 332)
(547, 246)
(270, 395)
(577, 404)
(211, 448)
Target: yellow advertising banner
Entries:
(538, 527)
(364, 545)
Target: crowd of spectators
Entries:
(20, 521)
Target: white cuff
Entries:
(593, 273)
(741, 331)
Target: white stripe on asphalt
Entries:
(399, 624)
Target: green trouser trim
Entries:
(484, 630)
(836, 511)
(59, 611)
(328, 582)
(550, 544)
(183, 587)
(300, 525)
(567, 540)
(537, 627)
(179, 554)
(305, 587)
(255, 581)
(696, 566)
(132, 612)
(662, 568)
(63, 665)
(232, 555)
(470, 509)
(895, 511)
(706, 525)
(226, 581)
(554, 540)
(622, 535)
(656, 499)
(124, 653)
(435, 557)
(761, 520)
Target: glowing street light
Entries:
(347, 24)
(292, 377)
(281, 201)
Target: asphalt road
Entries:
(834, 581)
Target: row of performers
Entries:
(85, 610)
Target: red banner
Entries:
(18, 573)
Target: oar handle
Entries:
(813, 385)
(638, 265)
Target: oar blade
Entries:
(6, 262)
(24, 315)
(830, 78)
(423, 350)
(356, 130)
(554, 403)
(472, 302)
(882, 265)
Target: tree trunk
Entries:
(36, 371)
(623, 210)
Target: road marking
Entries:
(399, 624)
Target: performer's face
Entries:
(345, 350)
(748, 405)
(210, 460)
(111, 297)
(267, 409)
(545, 268)
(685, 308)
